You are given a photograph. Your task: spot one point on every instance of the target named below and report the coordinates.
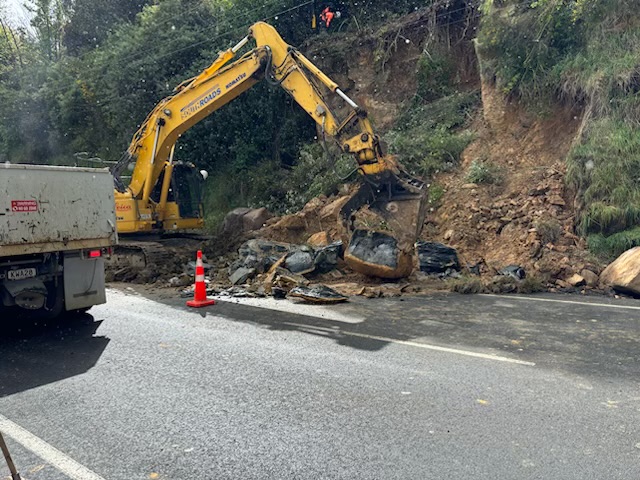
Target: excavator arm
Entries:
(387, 190)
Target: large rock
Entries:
(576, 280)
(326, 258)
(436, 257)
(318, 294)
(255, 219)
(233, 221)
(624, 273)
(259, 254)
(320, 239)
(241, 275)
(300, 261)
(590, 277)
(514, 271)
(244, 219)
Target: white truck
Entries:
(57, 224)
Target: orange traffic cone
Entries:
(200, 294)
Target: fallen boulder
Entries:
(241, 275)
(300, 261)
(590, 277)
(232, 223)
(255, 219)
(437, 258)
(623, 273)
(576, 280)
(326, 259)
(244, 219)
(317, 294)
(181, 280)
(259, 254)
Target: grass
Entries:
(532, 284)
(430, 137)
(609, 247)
(549, 230)
(466, 285)
(435, 194)
(482, 171)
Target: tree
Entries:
(92, 21)
(48, 21)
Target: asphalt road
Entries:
(442, 387)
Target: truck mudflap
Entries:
(84, 284)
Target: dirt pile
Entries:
(522, 215)
(521, 212)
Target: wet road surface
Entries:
(444, 386)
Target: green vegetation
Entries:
(466, 284)
(532, 284)
(585, 53)
(435, 194)
(85, 74)
(431, 135)
(483, 171)
(549, 230)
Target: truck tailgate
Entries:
(47, 208)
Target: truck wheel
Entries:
(54, 305)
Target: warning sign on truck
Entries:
(24, 206)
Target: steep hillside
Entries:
(508, 203)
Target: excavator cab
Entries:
(186, 191)
(187, 186)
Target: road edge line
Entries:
(57, 459)
(554, 300)
(427, 346)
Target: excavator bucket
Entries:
(381, 240)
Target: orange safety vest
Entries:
(326, 16)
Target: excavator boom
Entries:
(144, 205)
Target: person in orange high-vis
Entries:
(326, 16)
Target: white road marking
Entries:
(553, 300)
(486, 356)
(46, 452)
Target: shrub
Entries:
(430, 138)
(483, 172)
(609, 247)
(466, 285)
(549, 230)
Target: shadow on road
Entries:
(568, 332)
(325, 328)
(37, 353)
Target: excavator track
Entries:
(139, 254)
(146, 259)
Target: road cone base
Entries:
(200, 303)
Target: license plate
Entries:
(21, 273)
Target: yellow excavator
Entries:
(165, 195)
